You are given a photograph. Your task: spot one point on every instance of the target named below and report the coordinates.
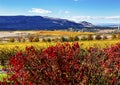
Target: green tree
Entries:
(104, 37)
(98, 37)
(23, 40)
(35, 39)
(19, 39)
(12, 39)
(56, 40)
(48, 40)
(71, 39)
(43, 40)
(63, 39)
(83, 38)
(89, 37)
(30, 39)
(76, 38)
(113, 36)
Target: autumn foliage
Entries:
(66, 64)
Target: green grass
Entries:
(2, 76)
(1, 67)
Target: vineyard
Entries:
(59, 42)
(8, 49)
(92, 62)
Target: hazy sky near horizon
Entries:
(95, 11)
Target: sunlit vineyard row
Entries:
(7, 49)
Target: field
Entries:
(86, 44)
(7, 49)
(78, 56)
(42, 33)
(95, 63)
(62, 33)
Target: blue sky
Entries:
(95, 11)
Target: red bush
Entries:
(66, 64)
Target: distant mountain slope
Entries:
(86, 24)
(108, 25)
(35, 23)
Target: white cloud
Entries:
(112, 17)
(94, 19)
(79, 18)
(67, 12)
(62, 12)
(39, 11)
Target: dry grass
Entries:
(62, 33)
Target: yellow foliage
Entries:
(86, 44)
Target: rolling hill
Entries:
(38, 23)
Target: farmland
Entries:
(62, 33)
(20, 46)
(86, 44)
(66, 64)
(78, 55)
(59, 42)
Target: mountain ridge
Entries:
(37, 23)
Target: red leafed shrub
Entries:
(56, 65)
(111, 64)
(66, 64)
